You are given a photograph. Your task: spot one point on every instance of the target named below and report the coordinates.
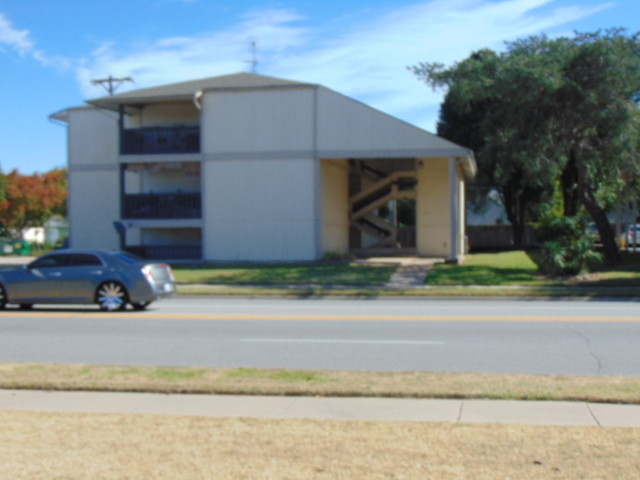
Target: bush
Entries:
(566, 247)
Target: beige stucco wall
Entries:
(162, 114)
(440, 231)
(169, 178)
(462, 221)
(433, 209)
(94, 181)
(334, 197)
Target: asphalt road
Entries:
(553, 337)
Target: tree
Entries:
(31, 199)
(3, 187)
(473, 114)
(548, 115)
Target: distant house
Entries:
(252, 168)
(54, 231)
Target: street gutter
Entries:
(472, 291)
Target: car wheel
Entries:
(3, 298)
(26, 306)
(140, 305)
(111, 296)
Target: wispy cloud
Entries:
(367, 60)
(17, 40)
(175, 59)
(370, 61)
(20, 41)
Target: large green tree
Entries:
(548, 116)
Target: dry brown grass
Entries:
(323, 383)
(39, 446)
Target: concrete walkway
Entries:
(373, 409)
(411, 273)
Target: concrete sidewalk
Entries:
(373, 409)
(411, 272)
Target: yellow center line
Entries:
(334, 317)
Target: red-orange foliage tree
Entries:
(30, 200)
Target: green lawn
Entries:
(517, 268)
(500, 269)
(484, 269)
(348, 273)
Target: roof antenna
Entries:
(254, 57)
(110, 84)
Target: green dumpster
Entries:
(22, 248)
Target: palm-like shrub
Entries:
(567, 248)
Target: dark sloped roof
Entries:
(186, 90)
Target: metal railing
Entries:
(151, 140)
(161, 205)
(166, 252)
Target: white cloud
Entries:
(175, 59)
(20, 41)
(15, 39)
(370, 61)
(367, 60)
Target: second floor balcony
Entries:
(150, 140)
(162, 206)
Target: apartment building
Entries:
(252, 168)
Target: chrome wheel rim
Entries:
(111, 296)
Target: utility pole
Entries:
(110, 84)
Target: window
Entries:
(84, 260)
(50, 261)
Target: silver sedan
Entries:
(110, 279)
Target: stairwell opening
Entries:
(382, 207)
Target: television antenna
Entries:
(254, 57)
(110, 84)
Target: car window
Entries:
(84, 260)
(50, 261)
(127, 258)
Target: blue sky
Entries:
(51, 49)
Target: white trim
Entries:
(453, 201)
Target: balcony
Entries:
(162, 206)
(152, 140)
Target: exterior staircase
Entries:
(365, 204)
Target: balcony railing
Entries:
(166, 252)
(160, 140)
(165, 205)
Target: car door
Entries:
(38, 281)
(81, 276)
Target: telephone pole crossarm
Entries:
(110, 84)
